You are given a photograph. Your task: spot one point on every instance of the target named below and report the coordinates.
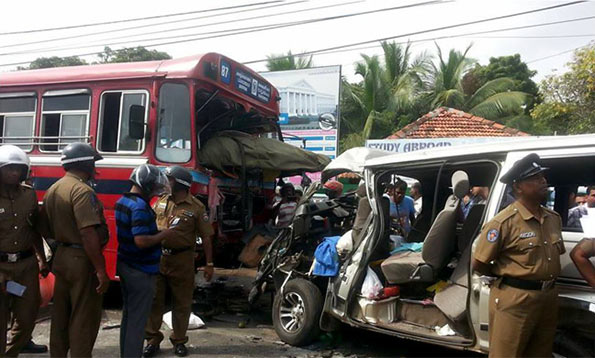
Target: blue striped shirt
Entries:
(134, 217)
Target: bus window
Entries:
(173, 141)
(17, 117)
(115, 111)
(65, 118)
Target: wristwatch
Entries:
(210, 264)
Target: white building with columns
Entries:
(300, 99)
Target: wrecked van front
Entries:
(440, 300)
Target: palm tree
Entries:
(288, 62)
(494, 100)
(389, 88)
(406, 76)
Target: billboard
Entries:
(411, 145)
(309, 107)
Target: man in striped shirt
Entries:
(139, 253)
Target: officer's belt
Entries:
(15, 256)
(168, 252)
(69, 244)
(528, 284)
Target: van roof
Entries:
(482, 149)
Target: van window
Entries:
(569, 180)
(65, 119)
(17, 119)
(114, 116)
(174, 131)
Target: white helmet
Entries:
(13, 155)
(151, 180)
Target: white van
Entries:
(440, 301)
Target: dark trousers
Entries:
(138, 289)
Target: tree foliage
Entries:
(108, 55)
(495, 98)
(569, 98)
(386, 95)
(133, 54)
(287, 62)
(54, 61)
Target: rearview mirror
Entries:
(136, 122)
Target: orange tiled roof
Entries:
(446, 122)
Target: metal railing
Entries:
(28, 141)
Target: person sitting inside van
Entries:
(402, 207)
(287, 206)
(477, 195)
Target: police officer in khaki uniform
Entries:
(185, 215)
(75, 219)
(19, 240)
(522, 247)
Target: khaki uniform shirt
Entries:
(18, 217)
(520, 246)
(187, 218)
(71, 205)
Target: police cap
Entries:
(523, 169)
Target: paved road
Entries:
(222, 337)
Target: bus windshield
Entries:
(216, 113)
(174, 131)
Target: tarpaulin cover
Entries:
(223, 152)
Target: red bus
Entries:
(157, 112)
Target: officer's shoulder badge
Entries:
(493, 235)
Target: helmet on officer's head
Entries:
(150, 180)
(13, 155)
(181, 175)
(79, 156)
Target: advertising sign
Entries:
(411, 145)
(309, 107)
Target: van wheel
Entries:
(296, 314)
(567, 344)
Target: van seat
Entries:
(398, 268)
(439, 245)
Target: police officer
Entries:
(19, 241)
(522, 247)
(75, 219)
(185, 215)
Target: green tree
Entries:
(133, 54)
(512, 67)
(54, 61)
(290, 61)
(385, 98)
(569, 98)
(496, 99)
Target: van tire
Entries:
(567, 344)
(296, 315)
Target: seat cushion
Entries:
(452, 301)
(398, 268)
